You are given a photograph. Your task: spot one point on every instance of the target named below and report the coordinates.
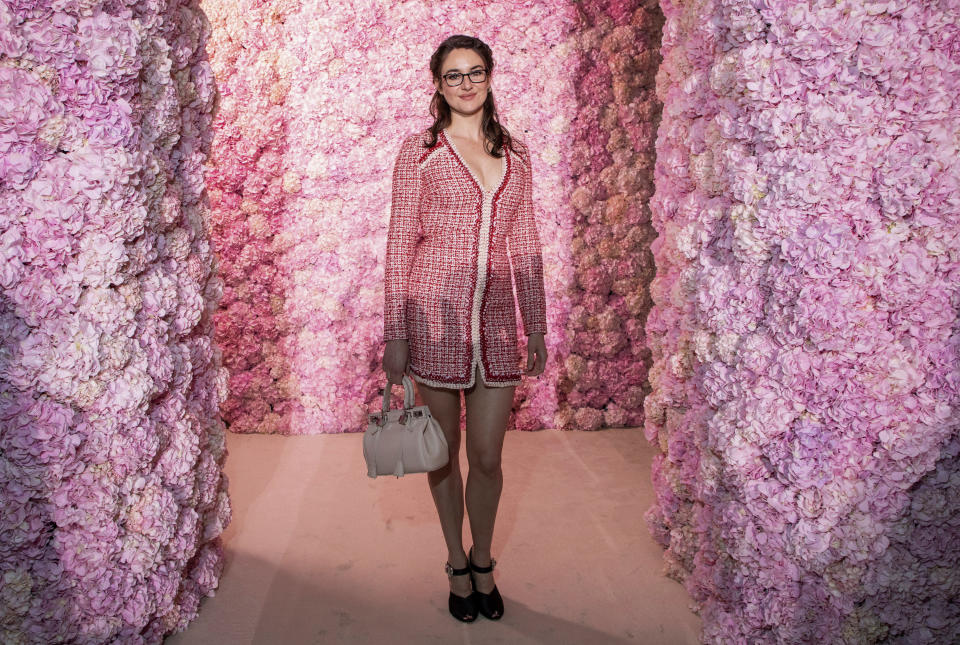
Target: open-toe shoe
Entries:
(462, 608)
(490, 604)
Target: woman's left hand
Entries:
(536, 354)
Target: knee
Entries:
(452, 466)
(488, 463)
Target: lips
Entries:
(467, 97)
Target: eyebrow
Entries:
(456, 70)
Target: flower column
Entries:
(606, 362)
(805, 326)
(111, 446)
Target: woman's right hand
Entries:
(396, 355)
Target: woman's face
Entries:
(467, 97)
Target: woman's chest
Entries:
(485, 169)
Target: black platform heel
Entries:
(490, 604)
(463, 609)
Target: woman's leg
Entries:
(488, 410)
(446, 484)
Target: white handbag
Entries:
(398, 442)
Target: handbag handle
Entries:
(408, 395)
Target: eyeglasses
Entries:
(455, 78)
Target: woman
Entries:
(461, 213)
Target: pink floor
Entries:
(319, 553)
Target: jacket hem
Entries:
(461, 386)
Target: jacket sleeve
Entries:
(523, 244)
(402, 237)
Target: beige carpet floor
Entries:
(317, 552)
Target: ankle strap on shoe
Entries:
(486, 569)
(456, 572)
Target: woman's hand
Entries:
(395, 359)
(536, 347)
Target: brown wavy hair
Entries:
(496, 136)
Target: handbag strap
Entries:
(408, 394)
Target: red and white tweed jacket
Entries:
(450, 245)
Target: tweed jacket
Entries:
(450, 245)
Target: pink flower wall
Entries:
(316, 98)
(805, 331)
(111, 445)
(803, 344)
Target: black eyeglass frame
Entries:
(460, 75)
